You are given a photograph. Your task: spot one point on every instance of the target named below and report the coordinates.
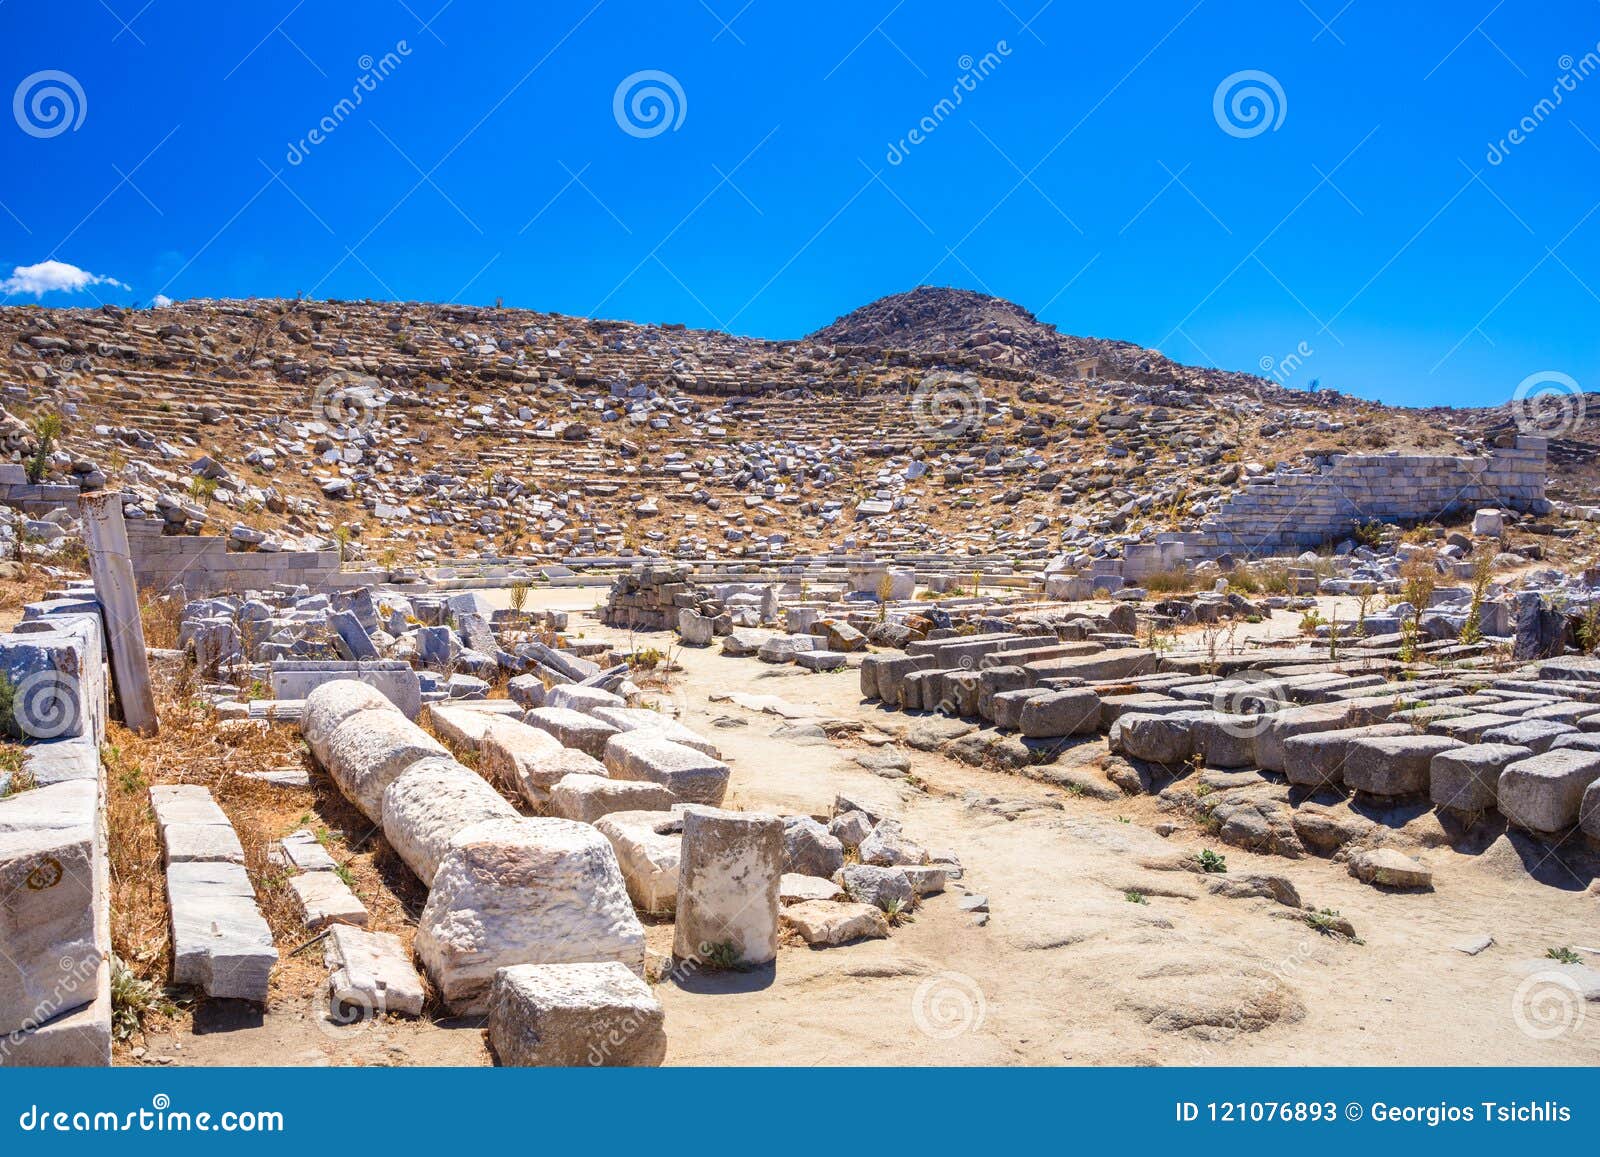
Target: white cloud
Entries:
(52, 276)
(160, 301)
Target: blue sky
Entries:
(1382, 226)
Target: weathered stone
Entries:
(52, 947)
(649, 846)
(643, 719)
(728, 885)
(588, 797)
(823, 924)
(1535, 734)
(219, 940)
(1057, 714)
(1317, 758)
(1466, 779)
(370, 749)
(795, 889)
(575, 1014)
(428, 803)
(1392, 765)
(524, 891)
(850, 827)
(889, 847)
(880, 887)
(573, 729)
(1544, 792)
(1389, 868)
(809, 849)
(330, 704)
(323, 899)
(371, 974)
(1164, 739)
(691, 775)
(531, 762)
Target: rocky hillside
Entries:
(933, 421)
(939, 322)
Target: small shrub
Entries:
(1134, 896)
(896, 911)
(722, 956)
(47, 427)
(132, 1000)
(1368, 534)
(1564, 955)
(1211, 863)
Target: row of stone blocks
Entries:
(529, 919)
(220, 943)
(55, 967)
(1535, 758)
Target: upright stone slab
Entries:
(649, 846)
(52, 947)
(397, 681)
(728, 879)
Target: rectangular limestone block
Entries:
(575, 1015)
(588, 797)
(649, 845)
(1466, 779)
(1544, 792)
(371, 973)
(1393, 765)
(219, 940)
(50, 944)
(573, 728)
(323, 899)
(693, 776)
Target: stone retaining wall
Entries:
(204, 566)
(1287, 513)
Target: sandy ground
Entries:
(1067, 969)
